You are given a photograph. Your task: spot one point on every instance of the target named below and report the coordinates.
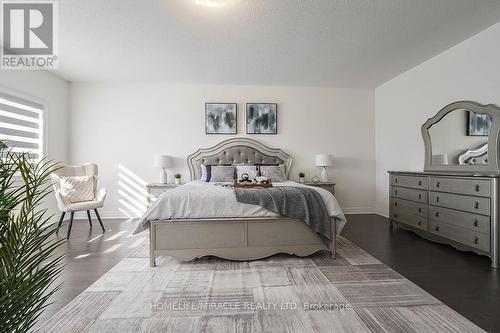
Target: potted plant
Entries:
(177, 178)
(302, 177)
(30, 257)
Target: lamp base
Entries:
(163, 176)
(324, 176)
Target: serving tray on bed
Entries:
(252, 185)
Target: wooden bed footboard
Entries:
(234, 238)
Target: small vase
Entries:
(301, 180)
(177, 181)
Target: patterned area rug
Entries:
(352, 293)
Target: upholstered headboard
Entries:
(237, 151)
(477, 156)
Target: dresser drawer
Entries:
(410, 219)
(409, 194)
(479, 187)
(409, 207)
(462, 202)
(410, 181)
(472, 222)
(467, 237)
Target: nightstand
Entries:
(155, 189)
(327, 186)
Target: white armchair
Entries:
(66, 206)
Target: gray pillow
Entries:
(222, 173)
(275, 172)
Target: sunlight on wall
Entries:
(133, 197)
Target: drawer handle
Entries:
(476, 188)
(476, 223)
(395, 180)
(395, 215)
(476, 205)
(436, 228)
(438, 184)
(420, 196)
(437, 214)
(396, 204)
(437, 199)
(476, 240)
(420, 209)
(419, 183)
(419, 222)
(395, 192)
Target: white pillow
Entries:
(78, 189)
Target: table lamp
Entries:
(163, 162)
(324, 160)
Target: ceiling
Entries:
(339, 43)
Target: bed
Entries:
(244, 233)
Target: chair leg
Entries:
(60, 221)
(90, 220)
(99, 219)
(70, 223)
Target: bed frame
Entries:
(235, 238)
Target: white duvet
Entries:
(210, 200)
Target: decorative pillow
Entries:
(241, 169)
(221, 173)
(275, 172)
(205, 172)
(78, 189)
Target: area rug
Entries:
(352, 293)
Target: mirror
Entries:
(461, 137)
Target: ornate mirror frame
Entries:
(493, 166)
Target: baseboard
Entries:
(103, 215)
(382, 212)
(358, 210)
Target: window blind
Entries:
(21, 124)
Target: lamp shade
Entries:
(324, 160)
(162, 161)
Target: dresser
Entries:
(460, 210)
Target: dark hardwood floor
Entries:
(463, 281)
(90, 254)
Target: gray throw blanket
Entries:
(294, 202)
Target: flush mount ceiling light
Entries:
(211, 3)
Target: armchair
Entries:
(68, 207)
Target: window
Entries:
(21, 124)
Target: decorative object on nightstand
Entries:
(301, 177)
(155, 189)
(315, 179)
(177, 178)
(330, 187)
(162, 162)
(324, 160)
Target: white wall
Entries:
(53, 92)
(124, 125)
(468, 71)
